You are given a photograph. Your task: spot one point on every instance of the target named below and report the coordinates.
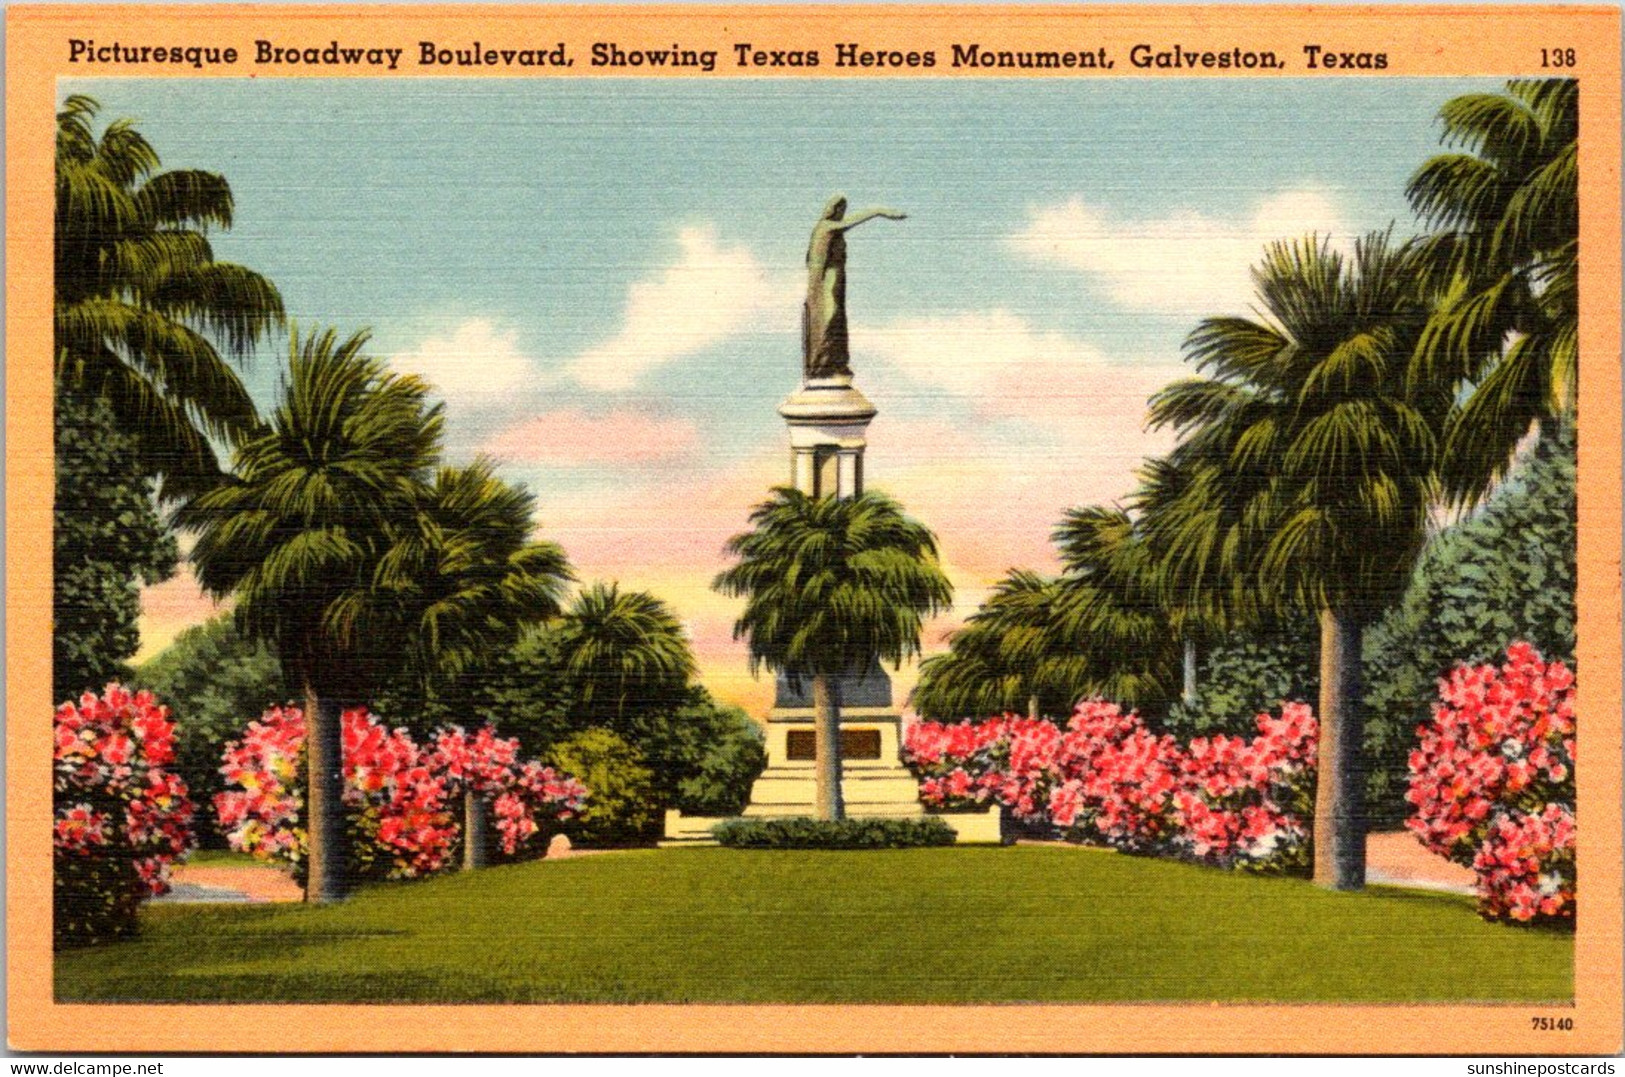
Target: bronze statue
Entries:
(823, 317)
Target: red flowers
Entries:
(121, 817)
(1492, 782)
(401, 797)
(1107, 778)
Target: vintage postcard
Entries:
(813, 529)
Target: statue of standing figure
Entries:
(823, 317)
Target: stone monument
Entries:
(828, 422)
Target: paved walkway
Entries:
(1399, 859)
(231, 883)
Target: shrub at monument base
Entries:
(1221, 800)
(121, 816)
(402, 800)
(1492, 781)
(806, 833)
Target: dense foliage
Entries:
(622, 808)
(107, 542)
(859, 833)
(1503, 209)
(143, 311)
(1245, 673)
(1504, 573)
(122, 817)
(400, 797)
(1492, 783)
(1108, 779)
(703, 754)
(211, 678)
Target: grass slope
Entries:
(912, 925)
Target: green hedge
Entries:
(803, 833)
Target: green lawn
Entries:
(915, 925)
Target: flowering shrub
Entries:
(488, 766)
(1107, 778)
(1492, 783)
(399, 797)
(121, 817)
(267, 768)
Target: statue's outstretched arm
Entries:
(869, 215)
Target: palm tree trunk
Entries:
(1188, 697)
(1340, 783)
(827, 742)
(476, 833)
(324, 761)
(1032, 707)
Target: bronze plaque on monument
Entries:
(801, 745)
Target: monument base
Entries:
(874, 781)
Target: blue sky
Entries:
(603, 276)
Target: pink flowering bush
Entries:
(121, 817)
(1106, 778)
(517, 793)
(401, 799)
(1492, 783)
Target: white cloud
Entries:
(1186, 263)
(1002, 366)
(476, 359)
(710, 293)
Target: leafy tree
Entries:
(1243, 674)
(1130, 629)
(1013, 654)
(107, 539)
(621, 798)
(1504, 573)
(520, 689)
(298, 531)
(214, 680)
(1311, 438)
(704, 756)
(831, 585)
(142, 307)
(1505, 250)
(459, 579)
(624, 648)
(461, 576)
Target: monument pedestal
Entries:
(828, 421)
(874, 781)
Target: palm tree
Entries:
(1012, 654)
(832, 585)
(1321, 455)
(1141, 638)
(1505, 258)
(624, 645)
(141, 302)
(298, 530)
(460, 579)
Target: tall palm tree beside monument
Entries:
(296, 533)
(143, 312)
(1326, 455)
(830, 586)
(1505, 254)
